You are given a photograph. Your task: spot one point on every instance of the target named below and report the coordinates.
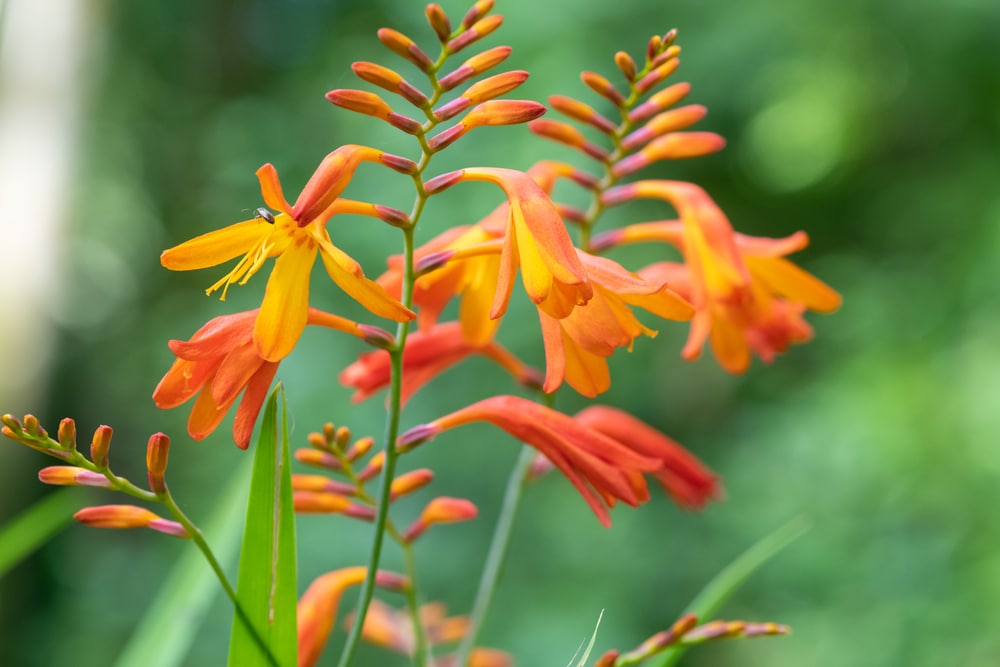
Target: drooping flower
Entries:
(428, 353)
(220, 361)
(603, 469)
(577, 346)
(747, 296)
(295, 237)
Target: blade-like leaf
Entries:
(35, 526)
(165, 633)
(590, 646)
(266, 586)
(732, 577)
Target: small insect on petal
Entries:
(264, 214)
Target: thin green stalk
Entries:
(497, 552)
(199, 539)
(421, 647)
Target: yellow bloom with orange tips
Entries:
(296, 235)
(746, 294)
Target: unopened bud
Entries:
(433, 261)
(477, 64)
(398, 163)
(361, 447)
(668, 121)
(416, 436)
(319, 459)
(672, 146)
(11, 426)
(653, 48)
(626, 65)
(764, 629)
(312, 502)
(503, 112)
(393, 216)
(317, 440)
(660, 101)
(377, 337)
(127, 516)
(443, 182)
(389, 80)
(713, 630)
(360, 512)
(392, 581)
(72, 476)
(474, 33)
(411, 481)
(608, 659)
(668, 53)
(373, 468)
(582, 112)
(405, 47)
(32, 426)
(495, 86)
(480, 9)
(654, 78)
(568, 135)
(321, 484)
(360, 101)
(603, 87)
(99, 446)
(156, 462)
(540, 466)
(441, 510)
(438, 21)
(67, 434)
(571, 213)
(447, 137)
(404, 123)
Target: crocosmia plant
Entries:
(439, 299)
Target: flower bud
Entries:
(442, 182)
(156, 462)
(447, 137)
(476, 12)
(477, 64)
(441, 510)
(668, 121)
(377, 337)
(568, 135)
(99, 446)
(389, 80)
(32, 426)
(319, 459)
(474, 33)
(672, 146)
(626, 65)
(321, 484)
(393, 216)
(438, 21)
(373, 468)
(361, 447)
(312, 502)
(655, 77)
(417, 435)
(397, 163)
(503, 112)
(405, 47)
(410, 482)
(582, 112)
(360, 101)
(72, 476)
(128, 516)
(660, 101)
(608, 659)
(67, 434)
(392, 581)
(603, 87)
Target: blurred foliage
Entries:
(873, 126)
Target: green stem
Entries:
(199, 539)
(421, 647)
(496, 554)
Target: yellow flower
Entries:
(296, 235)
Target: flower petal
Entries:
(215, 247)
(270, 188)
(284, 311)
(367, 292)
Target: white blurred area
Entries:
(45, 46)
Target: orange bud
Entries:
(373, 468)
(410, 482)
(564, 133)
(361, 447)
(99, 446)
(626, 65)
(503, 112)
(439, 21)
(496, 85)
(398, 163)
(72, 476)
(405, 47)
(660, 101)
(312, 502)
(312, 457)
(603, 87)
(654, 78)
(156, 462)
(127, 516)
(668, 121)
(393, 216)
(476, 12)
(67, 434)
(377, 337)
(582, 112)
(672, 146)
(477, 64)
(360, 101)
(320, 483)
(476, 32)
(443, 182)
(342, 437)
(389, 80)
(441, 510)
(608, 659)
(32, 426)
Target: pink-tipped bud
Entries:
(319, 459)
(447, 137)
(619, 195)
(672, 146)
(571, 213)
(608, 659)
(417, 435)
(321, 484)
(157, 451)
(99, 446)
(540, 467)
(475, 65)
(317, 440)
(443, 182)
(433, 261)
(503, 112)
(67, 434)
(72, 476)
(495, 86)
(404, 123)
(342, 437)
(392, 581)
(626, 65)
(167, 527)
(765, 629)
(714, 630)
(452, 108)
(660, 101)
(405, 47)
(390, 80)
(360, 101)
(398, 163)
(582, 112)
(438, 21)
(653, 47)
(11, 426)
(668, 121)
(312, 502)
(655, 77)
(127, 516)
(393, 216)
(568, 135)
(441, 510)
(411, 481)
(360, 448)
(32, 426)
(474, 33)
(373, 468)
(362, 512)
(668, 54)
(603, 87)
(480, 9)
(377, 337)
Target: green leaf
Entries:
(165, 634)
(35, 526)
(266, 587)
(590, 646)
(733, 576)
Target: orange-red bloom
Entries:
(428, 353)
(297, 234)
(577, 346)
(220, 361)
(603, 469)
(747, 296)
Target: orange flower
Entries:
(576, 346)
(219, 362)
(427, 354)
(295, 236)
(601, 468)
(747, 296)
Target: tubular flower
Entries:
(746, 295)
(683, 476)
(296, 235)
(576, 346)
(428, 353)
(535, 239)
(601, 468)
(219, 362)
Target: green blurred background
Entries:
(873, 126)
